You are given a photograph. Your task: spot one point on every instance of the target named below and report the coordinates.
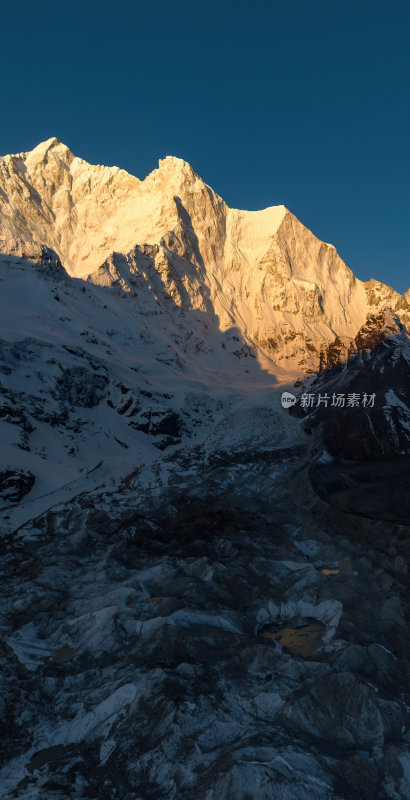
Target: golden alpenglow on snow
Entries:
(286, 293)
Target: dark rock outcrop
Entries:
(14, 485)
(373, 420)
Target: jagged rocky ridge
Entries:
(376, 362)
(262, 272)
(365, 468)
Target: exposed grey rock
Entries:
(14, 485)
(379, 365)
(81, 387)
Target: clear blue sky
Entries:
(305, 103)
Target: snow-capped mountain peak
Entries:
(263, 272)
(142, 310)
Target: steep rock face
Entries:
(14, 485)
(377, 363)
(85, 212)
(304, 295)
(261, 272)
(380, 296)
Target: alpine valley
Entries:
(204, 596)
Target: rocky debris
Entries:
(165, 426)
(344, 711)
(167, 686)
(13, 412)
(168, 424)
(14, 485)
(81, 387)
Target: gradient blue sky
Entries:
(301, 103)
